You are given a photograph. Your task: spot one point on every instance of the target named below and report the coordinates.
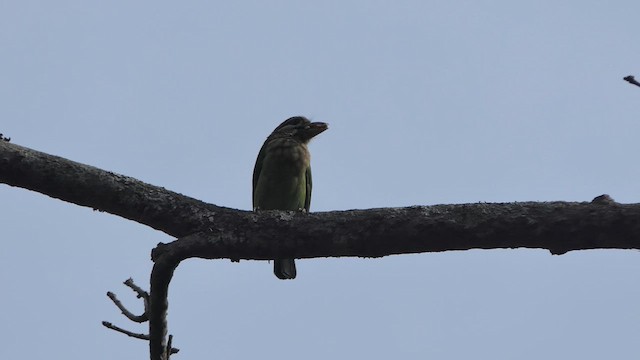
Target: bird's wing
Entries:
(307, 198)
(256, 171)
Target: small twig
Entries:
(135, 318)
(170, 350)
(142, 294)
(126, 332)
(631, 80)
(167, 351)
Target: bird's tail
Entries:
(284, 268)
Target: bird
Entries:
(282, 175)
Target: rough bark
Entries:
(218, 232)
(154, 206)
(209, 231)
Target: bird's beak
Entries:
(316, 128)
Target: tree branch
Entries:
(631, 80)
(212, 232)
(161, 275)
(218, 232)
(157, 332)
(556, 226)
(84, 185)
(141, 295)
(109, 325)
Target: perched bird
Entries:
(282, 175)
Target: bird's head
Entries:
(300, 128)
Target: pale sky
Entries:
(428, 102)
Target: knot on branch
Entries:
(603, 199)
(158, 251)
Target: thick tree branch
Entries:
(161, 274)
(157, 207)
(223, 232)
(556, 226)
(212, 232)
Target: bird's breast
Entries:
(281, 183)
(289, 153)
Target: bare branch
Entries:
(157, 207)
(126, 332)
(168, 349)
(161, 275)
(556, 226)
(631, 80)
(212, 232)
(222, 232)
(109, 325)
(141, 294)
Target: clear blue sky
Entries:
(429, 102)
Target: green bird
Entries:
(282, 175)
